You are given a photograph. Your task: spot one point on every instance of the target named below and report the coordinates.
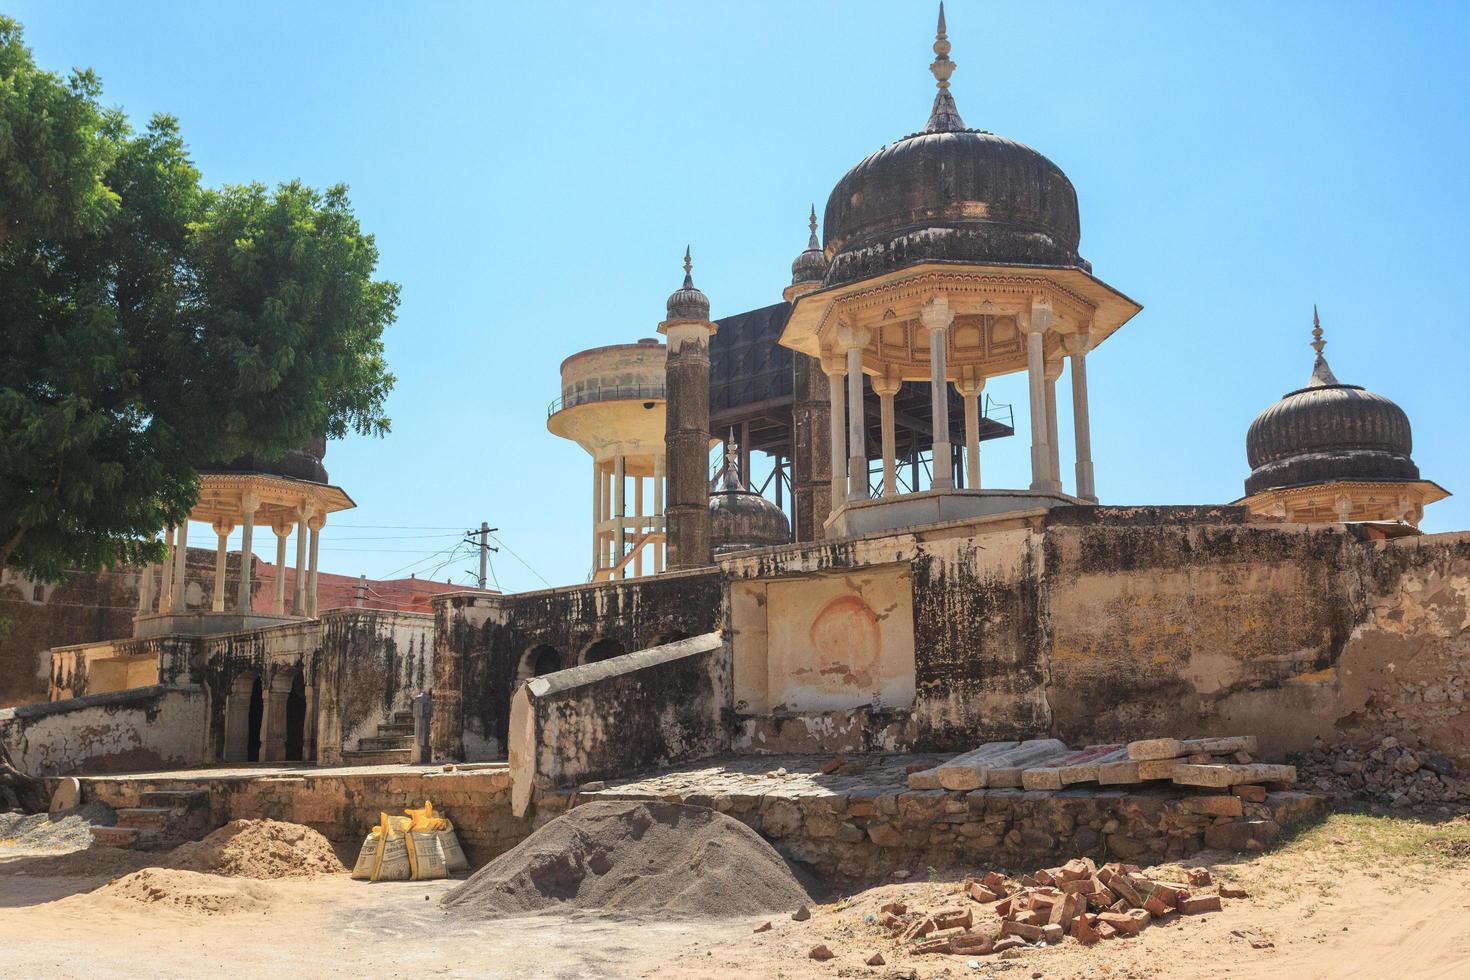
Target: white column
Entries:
(1054, 473)
(857, 450)
(936, 318)
(638, 527)
(886, 388)
(1077, 345)
(620, 537)
(316, 539)
(303, 514)
(222, 531)
(596, 515)
(181, 559)
(1036, 327)
(970, 389)
(834, 368)
(283, 531)
(145, 589)
(166, 572)
(248, 506)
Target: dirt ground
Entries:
(1359, 896)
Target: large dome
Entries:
(298, 464)
(740, 518)
(950, 193)
(1328, 431)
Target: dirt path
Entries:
(1360, 897)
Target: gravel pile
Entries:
(66, 830)
(1388, 773)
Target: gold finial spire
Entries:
(812, 224)
(688, 269)
(1317, 342)
(945, 117)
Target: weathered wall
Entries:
(486, 645)
(372, 665)
(115, 665)
(149, 728)
(650, 708)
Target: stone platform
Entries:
(861, 822)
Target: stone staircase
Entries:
(161, 819)
(393, 745)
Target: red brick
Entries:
(1026, 931)
(833, 765)
(1130, 922)
(820, 952)
(931, 946)
(1007, 942)
(981, 894)
(952, 919)
(1233, 891)
(1199, 876)
(1200, 903)
(1083, 931)
(1106, 931)
(973, 944)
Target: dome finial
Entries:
(688, 269)
(945, 117)
(812, 224)
(1321, 373)
(732, 465)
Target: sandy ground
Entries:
(1359, 896)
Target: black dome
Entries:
(1329, 431)
(960, 196)
(741, 518)
(298, 464)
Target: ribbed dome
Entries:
(1328, 431)
(811, 265)
(686, 302)
(298, 464)
(951, 194)
(963, 196)
(741, 519)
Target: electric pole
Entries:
(484, 543)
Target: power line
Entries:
(394, 527)
(523, 561)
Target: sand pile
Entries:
(186, 891)
(259, 849)
(635, 857)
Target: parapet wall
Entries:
(152, 727)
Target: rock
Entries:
(820, 952)
(1389, 743)
(801, 914)
(763, 927)
(1437, 764)
(1406, 763)
(875, 960)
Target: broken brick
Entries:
(1083, 931)
(1199, 876)
(1196, 904)
(763, 927)
(1007, 942)
(952, 919)
(1233, 891)
(895, 908)
(1030, 933)
(836, 763)
(981, 894)
(820, 952)
(1130, 922)
(931, 946)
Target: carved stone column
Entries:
(1036, 326)
(1076, 346)
(886, 388)
(936, 317)
(249, 504)
(969, 386)
(836, 370)
(1054, 472)
(853, 340)
(222, 529)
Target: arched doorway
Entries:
(244, 710)
(539, 660)
(603, 649)
(296, 720)
(672, 636)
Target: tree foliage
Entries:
(150, 325)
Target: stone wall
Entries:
(372, 665)
(153, 727)
(485, 646)
(650, 708)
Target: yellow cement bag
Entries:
(426, 821)
(454, 860)
(425, 856)
(367, 857)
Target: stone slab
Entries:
(963, 772)
(1225, 776)
(1148, 749)
(1006, 771)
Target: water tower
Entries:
(612, 405)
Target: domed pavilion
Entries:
(951, 256)
(1332, 452)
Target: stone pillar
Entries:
(969, 388)
(1054, 473)
(857, 450)
(658, 511)
(177, 594)
(283, 531)
(315, 524)
(596, 516)
(886, 388)
(835, 369)
(222, 529)
(166, 573)
(620, 513)
(1036, 326)
(686, 441)
(638, 528)
(145, 590)
(811, 463)
(303, 514)
(936, 317)
(1076, 345)
(249, 504)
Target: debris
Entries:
(836, 763)
(801, 914)
(875, 960)
(1232, 891)
(820, 952)
(763, 927)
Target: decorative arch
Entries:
(604, 648)
(288, 735)
(244, 714)
(540, 659)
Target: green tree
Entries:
(149, 326)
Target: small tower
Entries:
(686, 428)
(1334, 453)
(811, 460)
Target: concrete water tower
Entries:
(612, 405)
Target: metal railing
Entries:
(612, 393)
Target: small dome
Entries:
(298, 464)
(687, 302)
(1328, 431)
(950, 194)
(740, 518)
(811, 265)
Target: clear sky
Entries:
(532, 172)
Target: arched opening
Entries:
(672, 636)
(256, 716)
(603, 649)
(539, 660)
(296, 719)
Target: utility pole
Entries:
(484, 542)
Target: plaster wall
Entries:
(149, 728)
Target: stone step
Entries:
(127, 838)
(403, 718)
(393, 757)
(146, 817)
(395, 730)
(173, 798)
(391, 743)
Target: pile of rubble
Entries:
(1078, 899)
(1389, 773)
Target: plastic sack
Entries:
(426, 821)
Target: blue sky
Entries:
(532, 173)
